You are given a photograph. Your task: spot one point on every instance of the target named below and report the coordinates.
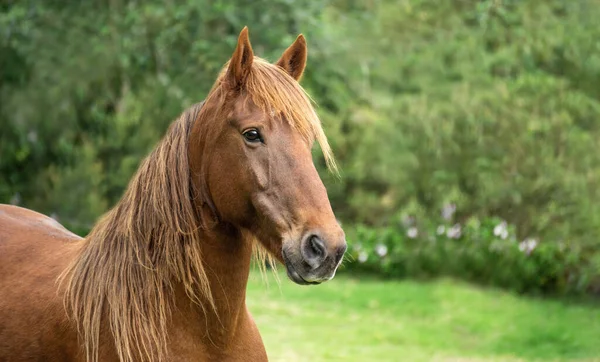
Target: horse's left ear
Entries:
(241, 61)
(293, 59)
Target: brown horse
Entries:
(162, 276)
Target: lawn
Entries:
(364, 319)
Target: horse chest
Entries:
(192, 342)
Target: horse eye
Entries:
(252, 135)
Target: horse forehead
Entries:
(246, 108)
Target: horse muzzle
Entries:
(314, 260)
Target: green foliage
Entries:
(480, 103)
(483, 251)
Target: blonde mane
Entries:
(123, 280)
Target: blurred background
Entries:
(467, 132)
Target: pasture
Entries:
(365, 319)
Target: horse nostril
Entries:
(314, 251)
(317, 246)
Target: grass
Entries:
(363, 319)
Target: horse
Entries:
(162, 275)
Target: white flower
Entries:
(454, 232)
(528, 245)
(448, 211)
(441, 230)
(362, 257)
(498, 228)
(501, 230)
(381, 250)
(412, 232)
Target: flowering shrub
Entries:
(483, 251)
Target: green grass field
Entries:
(362, 319)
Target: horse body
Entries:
(35, 249)
(162, 276)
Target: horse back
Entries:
(34, 250)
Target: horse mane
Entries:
(132, 256)
(122, 282)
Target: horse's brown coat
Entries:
(162, 276)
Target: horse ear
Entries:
(241, 61)
(293, 59)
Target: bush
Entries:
(484, 251)
(481, 103)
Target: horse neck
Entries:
(226, 257)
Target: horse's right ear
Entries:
(241, 61)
